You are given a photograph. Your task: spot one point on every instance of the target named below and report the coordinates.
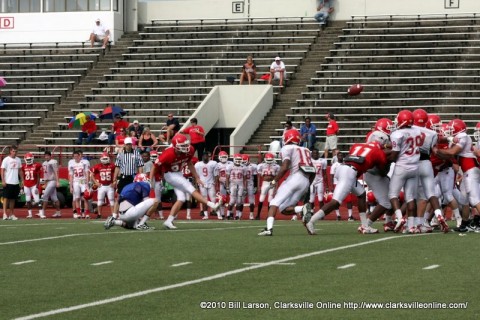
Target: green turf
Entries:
(385, 271)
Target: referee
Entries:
(128, 163)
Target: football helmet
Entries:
(181, 143)
(269, 158)
(154, 155)
(420, 117)
(28, 158)
(87, 195)
(327, 197)
(237, 159)
(223, 156)
(434, 122)
(291, 136)
(476, 133)
(404, 119)
(371, 197)
(245, 159)
(141, 177)
(384, 125)
(455, 127)
(104, 158)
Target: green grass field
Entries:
(46, 270)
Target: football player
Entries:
(134, 206)
(78, 178)
(188, 197)
(101, 175)
(361, 157)
(51, 180)
(236, 181)
(250, 176)
(206, 171)
(334, 180)
(266, 172)
(221, 176)
(171, 162)
(30, 179)
(317, 187)
(157, 182)
(298, 161)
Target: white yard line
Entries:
(279, 264)
(101, 263)
(181, 264)
(433, 266)
(347, 266)
(23, 262)
(210, 278)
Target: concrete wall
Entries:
(239, 107)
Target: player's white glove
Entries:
(273, 184)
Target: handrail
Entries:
(418, 16)
(226, 20)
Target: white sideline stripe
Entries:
(347, 266)
(181, 264)
(120, 232)
(35, 224)
(23, 262)
(209, 278)
(279, 264)
(433, 266)
(101, 263)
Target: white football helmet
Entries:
(237, 159)
(223, 156)
(28, 158)
(105, 159)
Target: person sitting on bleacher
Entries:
(137, 128)
(249, 71)
(100, 33)
(278, 71)
(118, 124)
(89, 131)
(324, 8)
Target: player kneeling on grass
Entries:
(134, 206)
(171, 161)
(361, 157)
(298, 161)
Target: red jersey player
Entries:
(102, 177)
(31, 176)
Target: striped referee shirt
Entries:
(129, 162)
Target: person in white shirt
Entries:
(100, 33)
(277, 71)
(10, 172)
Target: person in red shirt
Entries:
(171, 162)
(197, 137)
(102, 176)
(332, 139)
(89, 131)
(30, 177)
(118, 124)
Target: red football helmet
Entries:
(87, 195)
(476, 133)
(384, 125)
(291, 136)
(154, 155)
(434, 122)
(181, 143)
(269, 158)
(223, 156)
(420, 117)
(404, 119)
(237, 159)
(245, 159)
(327, 197)
(141, 177)
(104, 158)
(371, 197)
(443, 130)
(455, 127)
(28, 158)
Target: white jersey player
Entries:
(251, 178)
(317, 188)
(221, 176)
(206, 172)
(236, 181)
(52, 182)
(298, 161)
(266, 172)
(78, 174)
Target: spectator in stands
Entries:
(137, 128)
(324, 9)
(131, 134)
(172, 127)
(197, 137)
(332, 139)
(89, 131)
(118, 123)
(120, 140)
(10, 173)
(288, 125)
(278, 71)
(147, 141)
(249, 72)
(308, 132)
(100, 33)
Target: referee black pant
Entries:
(123, 180)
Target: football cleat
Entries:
(294, 218)
(169, 225)
(310, 228)
(110, 222)
(29, 216)
(5, 217)
(443, 224)
(389, 226)
(56, 215)
(461, 229)
(399, 225)
(144, 227)
(13, 217)
(306, 213)
(424, 229)
(266, 232)
(367, 230)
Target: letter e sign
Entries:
(238, 6)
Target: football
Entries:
(355, 89)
